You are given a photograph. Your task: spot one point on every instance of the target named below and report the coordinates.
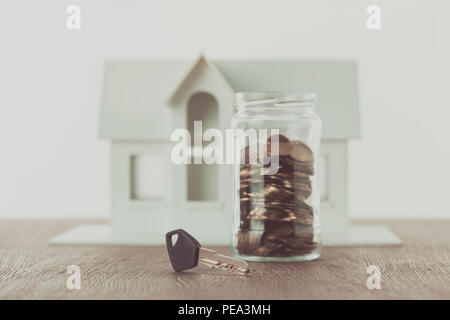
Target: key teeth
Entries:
(228, 267)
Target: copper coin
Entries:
(248, 241)
(284, 146)
(267, 248)
(301, 152)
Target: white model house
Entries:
(144, 101)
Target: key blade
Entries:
(212, 259)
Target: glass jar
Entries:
(276, 193)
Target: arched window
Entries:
(202, 179)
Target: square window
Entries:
(148, 177)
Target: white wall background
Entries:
(52, 165)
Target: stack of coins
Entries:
(275, 219)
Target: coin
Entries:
(301, 152)
(284, 145)
(248, 241)
(267, 248)
(276, 219)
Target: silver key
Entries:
(187, 253)
(212, 259)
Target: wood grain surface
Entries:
(32, 269)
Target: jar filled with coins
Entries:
(276, 195)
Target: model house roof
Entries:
(136, 94)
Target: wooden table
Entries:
(31, 269)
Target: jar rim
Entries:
(277, 99)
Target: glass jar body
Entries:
(276, 212)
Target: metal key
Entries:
(186, 253)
